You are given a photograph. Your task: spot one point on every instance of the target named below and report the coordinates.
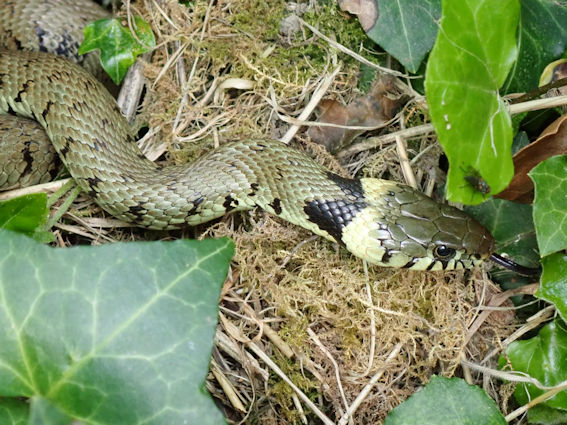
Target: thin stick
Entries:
(404, 162)
(349, 52)
(315, 99)
(539, 399)
(540, 91)
(508, 376)
(422, 130)
(319, 344)
(44, 187)
(366, 390)
(264, 357)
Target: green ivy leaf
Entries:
(512, 226)
(26, 214)
(543, 358)
(118, 47)
(406, 29)
(447, 401)
(542, 38)
(475, 48)
(13, 412)
(45, 413)
(550, 204)
(114, 334)
(540, 414)
(553, 286)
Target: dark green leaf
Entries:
(543, 357)
(118, 47)
(550, 204)
(542, 38)
(115, 334)
(447, 401)
(406, 29)
(474, 51)
(554, 282)
(26, 214)
(512, 226)
(521, 139)
(13, 412)
(541, 414)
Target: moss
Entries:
(342, 26)
(259, 18)
(282, 392)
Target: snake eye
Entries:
(443, 252)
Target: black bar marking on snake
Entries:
(386, 257)
(27, 158)
(40, 35)
(351, 188)
(429, 267)
(46, 109)
(93, 182)
(196, 204)
(411, 263)
(68, 141)
(228, 201)
(254, 187)
(25, 86)
(276, 205)
(332, 216)
(137, 211)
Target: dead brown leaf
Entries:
(551, 142)
(373, 110)
(366, 10)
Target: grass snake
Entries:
(387, 223)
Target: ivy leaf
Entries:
(45, 413)
(542, 38)
(27, 215)
(447, 401)
(541, 414)
(118, 47)
(406, 29)
(13, 412)
(550, 204)
(512, 226)
(553, 286)
(113, 334)
(543, 358)
(474, 50)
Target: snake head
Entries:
(402, 227)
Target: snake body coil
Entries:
(387, 223)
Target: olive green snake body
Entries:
(384, 222)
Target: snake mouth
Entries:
(515, 267)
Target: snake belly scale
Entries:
(386, 223)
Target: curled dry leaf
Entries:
(373, 110)
(366, 10)
(551, 142)
(555, 71)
